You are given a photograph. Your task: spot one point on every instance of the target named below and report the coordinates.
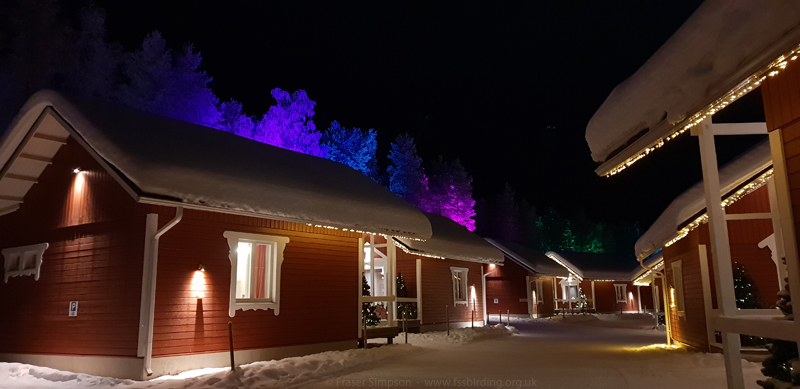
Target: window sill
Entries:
(457, 303)
(252, 305)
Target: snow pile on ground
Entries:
(460, 335)
(272, 374)
(644, 321)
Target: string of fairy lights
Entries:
(741, 89)
(658, 266)
(744, 191)
(363, 232)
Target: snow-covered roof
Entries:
(453, 241)
(171, 162)
(654, 261)
(720, 52)
(530, 259)
(692, 203)
(591, 266)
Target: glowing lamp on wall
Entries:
(76, 170)
(630, 296)
(199, 282)
(672, 297)
(472, 294)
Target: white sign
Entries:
(73, 308)
(496, 301)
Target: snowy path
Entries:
(582, 352)
(592, 354)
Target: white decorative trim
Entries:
(233, 244)
(15, 260)
(464, 284)
(621, 292)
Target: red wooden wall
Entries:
(437, 291)
(318, 296)
(508, 285)
(95, 256)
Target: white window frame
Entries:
(539, 293)
(279, 244)
(677, 284)
(464, 284)
(621, 291)
(16, 259)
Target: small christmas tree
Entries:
(367, 309)
(780, 365)
(582, 302)
(407, 308)
(745, 291)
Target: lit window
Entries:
(24, 260)
(256, 270)
(676, 292)
(620, 292)
(539, 293)
(460, 290)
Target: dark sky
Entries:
(506, 87)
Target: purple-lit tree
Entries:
(234, 121)
(406, 175)
(169, 85)
(289, 125)
(450, 192)
(355, 148)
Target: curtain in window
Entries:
(260, 269)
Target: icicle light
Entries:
(743, 88)
(744, 191)
(364, 232)
(638, 280)
(558, 261)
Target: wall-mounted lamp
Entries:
(201, 268)
(76, 170)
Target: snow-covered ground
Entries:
(581, 351)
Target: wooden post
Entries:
(473, 317)
(447, 314)
(508, 317)
(230, 339)
(720, 251)
(500, 317)
(364, 332)
(405, 325)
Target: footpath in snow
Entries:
(289, 372)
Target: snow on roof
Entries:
(591, 266)
(723, 44)
(653, 261)
(530, 259)
(693, 201)
(453, 241)
(174, 163)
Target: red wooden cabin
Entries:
(605, 281)
(684, 237)
(131, 240)
(524, 286)
(451, 266)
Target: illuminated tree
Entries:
(407, 308)
(355, 148)
(450, 193)
(169, 85)
(407, 177)
(367, 309)
(234, 121)
(289, 125)
(782, 360)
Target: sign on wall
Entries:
(496, 301)
(73, 308)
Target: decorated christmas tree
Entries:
(782, 365)
(745, 291)
(367, 309)
(409, 309)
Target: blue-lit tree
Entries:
(406, 175)
(289, 124)
(450, 192)
(234, 121)
(169, 85)
(354, 147)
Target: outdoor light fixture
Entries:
(199, 282)
(76, 170)
(201, 268)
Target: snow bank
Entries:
(272, 374)
(460, 335)
(643, 321)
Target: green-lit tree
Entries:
(367, 309)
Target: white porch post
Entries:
(360, 284)
(528, 283)
(639, 296)
(419, 290)
(594, 299)
(777, 231)
(720, 251)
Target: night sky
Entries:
(506, 87)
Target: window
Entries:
(255, 270)
(24, 260)
(620, 291)
(676, 292)
(460, 290)
(539, 293)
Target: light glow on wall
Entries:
(199, 284)
(672, 297)
(630, 296)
